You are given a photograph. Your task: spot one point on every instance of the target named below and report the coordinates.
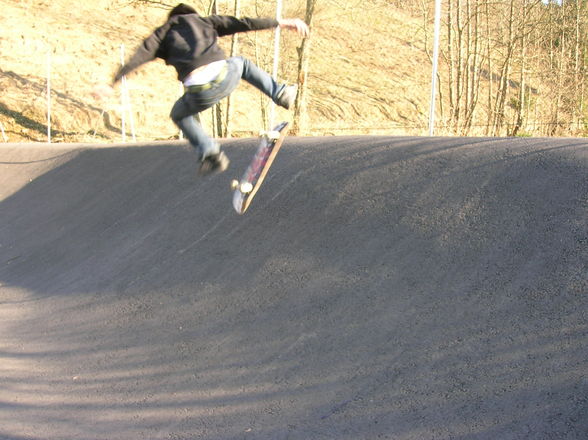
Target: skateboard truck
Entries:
(272, 135)
(244, 187)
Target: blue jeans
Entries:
(190, 104)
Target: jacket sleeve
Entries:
(146, 52)
(228, 25)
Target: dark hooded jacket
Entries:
(189, 41)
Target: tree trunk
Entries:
(234, 49)
(300, 105)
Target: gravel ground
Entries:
(377, 288)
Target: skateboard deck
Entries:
(245, 189)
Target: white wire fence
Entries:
(127, 113)
(125, 102)
(125, 97)
(4, 137)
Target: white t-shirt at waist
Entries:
(204, 74)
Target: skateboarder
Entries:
(188, 42)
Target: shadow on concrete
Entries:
(379, 287)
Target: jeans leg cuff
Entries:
(209, 150)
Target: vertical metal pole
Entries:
(126, 100)
(234, 45)
(49, 96)
(276, 59)
(122, 95)
(130, 110)
(435, 64)
(3, 133)
(181, 134)
(131, 119)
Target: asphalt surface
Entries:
(377, 288)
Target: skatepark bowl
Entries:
(377, 288)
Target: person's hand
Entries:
(102, 92)
(295, 24)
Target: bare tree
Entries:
(216, 110)
(303, 65)
(464, 57)
(234, 49)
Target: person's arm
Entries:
(146, 52)
(295, 24)
(228, 25)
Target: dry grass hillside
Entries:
(369, 72)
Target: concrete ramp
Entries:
(378, 288)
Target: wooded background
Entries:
(509, 67)
(500, 56)
(506, 68)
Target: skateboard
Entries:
(245, 189)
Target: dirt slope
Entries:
(366, 70)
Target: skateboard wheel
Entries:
(246, 187)
(234, 184)
(273, 135)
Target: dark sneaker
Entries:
(287, 97)
(216, 163)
